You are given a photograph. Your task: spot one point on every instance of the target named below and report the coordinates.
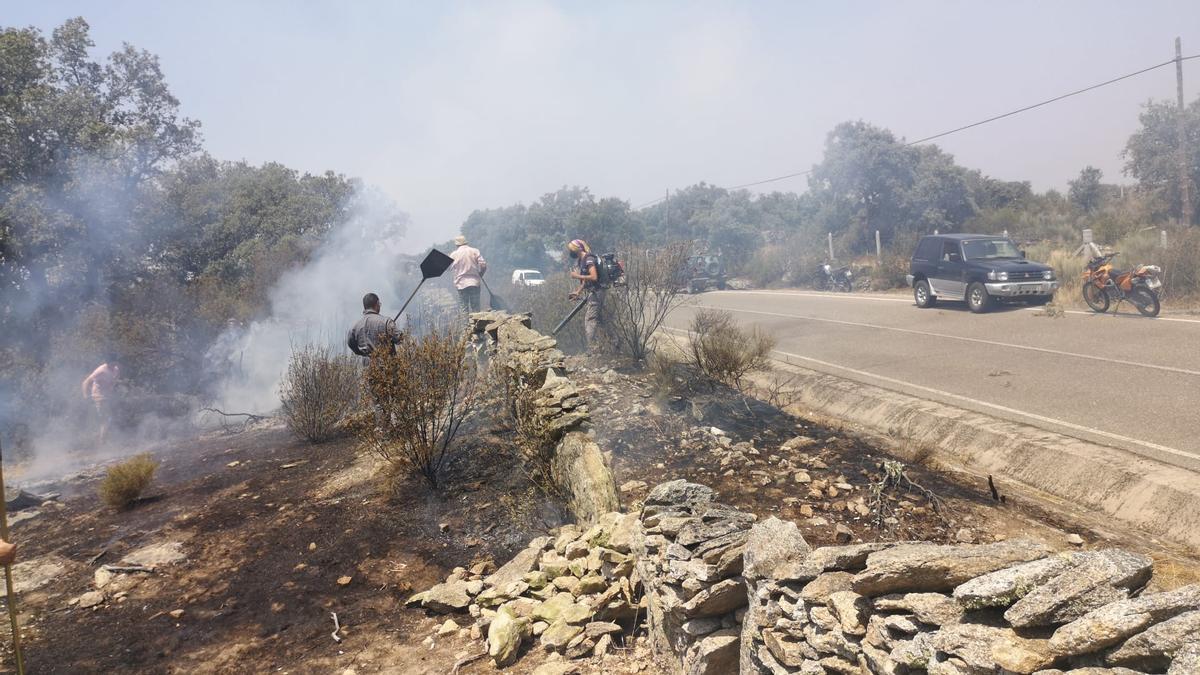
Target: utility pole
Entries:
(667, 216)
(1185, 195)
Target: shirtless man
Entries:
(101, 388)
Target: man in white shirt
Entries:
(468, 269)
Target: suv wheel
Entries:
(922, 294)
(978, 300)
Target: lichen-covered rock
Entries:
(972, 643)
(931, 608)
(559, 634)
(716, 654)
(521, 564)
(1152, 649)
(1114, 622)
(1092, 580)
(1021, 655)
(927, 567)
(1004, 587)
(818, 590)
(774, 549)
(505, 635)
(447, 597)
(582, 470)
(679, 493)
(721, 598)
(851, 610)
(1186, 660)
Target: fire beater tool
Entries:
(433, 266)
(494, 301)
(570, 316)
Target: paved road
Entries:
(1124, 381)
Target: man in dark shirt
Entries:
(372, 331)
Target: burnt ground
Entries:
(270, 525)
(659, 432)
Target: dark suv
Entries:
(977, 268)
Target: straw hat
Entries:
(460, 240)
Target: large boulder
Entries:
(927, 567)
(1114, 622)
(582, 470)
(1094, 579)
(774, 550)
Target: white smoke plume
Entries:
(316, 303)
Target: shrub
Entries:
(319, 389)
(724, 351)
(421, 396)
(123, 483)
(653, 279)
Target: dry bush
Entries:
(890, 272)
(123, 483)
(724, 351)
(653, 279)
(318, 391)
(421, 394)
(668, 375)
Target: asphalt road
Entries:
(1121, 380)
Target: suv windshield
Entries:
(988, 249)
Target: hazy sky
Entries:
(455, 106)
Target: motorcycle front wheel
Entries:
(1096, 298)
(1145, 300)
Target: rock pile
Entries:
(689, 557)
(1009, 607)
(574, 592)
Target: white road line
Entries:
(901, 384)
(993, 343)
(877, 298)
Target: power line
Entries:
(967, 126)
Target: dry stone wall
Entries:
(536, 369)
(1007, 607)
(689, 558)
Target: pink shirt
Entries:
(102, 382)
(468, 267)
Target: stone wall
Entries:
(1008, 607)
(535, 367)
(689, 559)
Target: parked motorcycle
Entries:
(1103, 285)
(829, 278)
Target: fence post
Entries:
(1162, 238)
(878, 247)
(831, 247)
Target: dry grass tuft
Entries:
(124, 482)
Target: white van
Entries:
(527, 278)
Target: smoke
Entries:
(315, 304)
